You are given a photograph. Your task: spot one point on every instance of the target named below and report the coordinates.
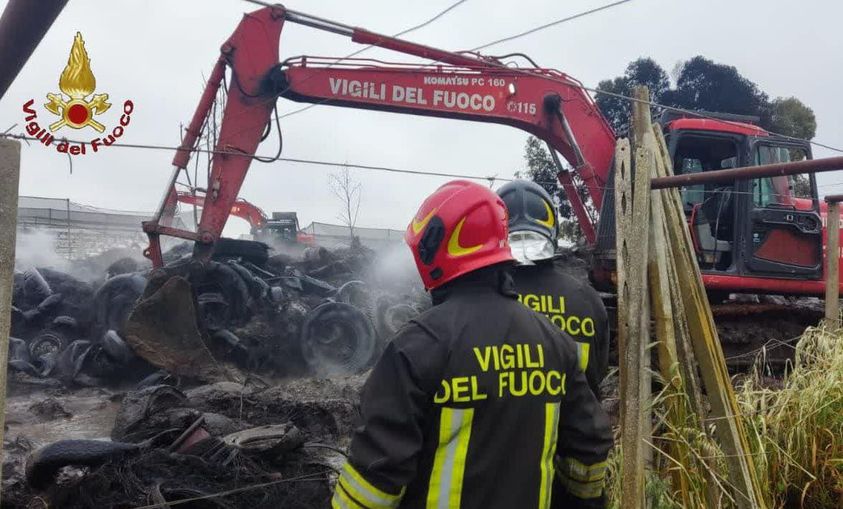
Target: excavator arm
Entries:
(543, 102)
(465, 86)
(241, 208)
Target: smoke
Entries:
(393, 267)
(37, 248)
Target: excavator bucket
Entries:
(164, 329)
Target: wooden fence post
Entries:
(832, 259)
(9, 177)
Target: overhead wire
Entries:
(551, 24)
(286, 159)
(433, 173)
(337, 164)
(592, 90)
(421, 25)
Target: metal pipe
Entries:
(22, 27)
(194, 129)
(833, 198)
(328, 25)
(751, 172)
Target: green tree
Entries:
(702, 84)
(644, 71)
(542, 170)
(792, 117)
(705, 85)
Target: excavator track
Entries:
(750, 332)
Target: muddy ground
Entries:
(296, 470)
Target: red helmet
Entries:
(461, 227)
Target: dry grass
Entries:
(795, 433)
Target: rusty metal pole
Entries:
(832, 259)
(750, 172)
(9, 176)
(22, 27)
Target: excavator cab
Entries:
(283, 227)
(767, 227)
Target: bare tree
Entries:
(347, 190)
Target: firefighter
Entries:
(478, 402)
(543, 285)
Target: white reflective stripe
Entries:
(342, 500)
(551, 432)
(446, 479)
(582, 355)
(364, 492)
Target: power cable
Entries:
(286, 159)
(551, 24)
(548, 25)
(592, 90)
(337, 164)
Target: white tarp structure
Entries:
(334, 235)
(80, 230)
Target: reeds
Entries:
(795, 433)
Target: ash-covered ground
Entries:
(231, 383)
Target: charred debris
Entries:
(191, 356)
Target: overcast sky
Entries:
(156, 53)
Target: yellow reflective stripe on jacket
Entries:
(551, 430)
(445, 489)
(353, 484)
(581, 480)
(582, 355)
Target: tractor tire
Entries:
(337, 339)
(249, 250)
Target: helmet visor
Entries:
(528, 247)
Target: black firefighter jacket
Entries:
(477, 403)
(573, 306)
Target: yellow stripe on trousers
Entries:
(445, 489)
(551, 430)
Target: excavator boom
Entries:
(742, 246)
(543, 102)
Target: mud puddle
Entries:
(45, 418)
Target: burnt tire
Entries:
(391, 317)
(35, 287)
(337, 339)
(249, 250)
(116, 298)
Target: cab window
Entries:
(793, 191)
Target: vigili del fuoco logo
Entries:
(76, 107)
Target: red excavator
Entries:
(282, 227)
(762, 236)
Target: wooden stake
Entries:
(725, 414)
(9, 176)
(641, 122)
(634, 399)
(623, 218)
(832, 264)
